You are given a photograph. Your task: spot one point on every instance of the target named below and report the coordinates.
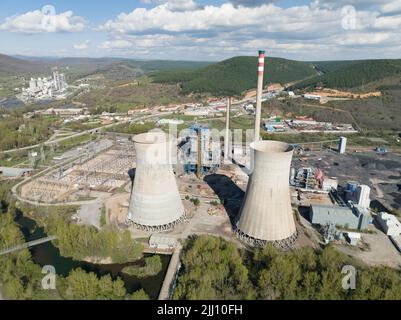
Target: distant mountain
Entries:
(235, 75)
(352, 74)
(13, 66)
(113, 68)
(126, 69)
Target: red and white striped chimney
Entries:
(259, 93)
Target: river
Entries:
(48, 254)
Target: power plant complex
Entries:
(266, 213)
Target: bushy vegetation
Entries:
(121, 98)
(235, 75)
(80, 285)
(195, 201)
(17, 132)
(21, 278)
(153, 266)
(81, 241)
(215, 269)
(135, 128)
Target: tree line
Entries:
(214, 268)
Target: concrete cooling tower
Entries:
(155, 203)
(266, 213)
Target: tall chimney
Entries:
(259, 92)
(227, 133)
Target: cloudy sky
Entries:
(202, 29)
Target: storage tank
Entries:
(155, 203)
(266, 214)
(342, 145)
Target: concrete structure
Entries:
(351, 218)
(329, 183)
(227, 141)
(363, 196)
(162, 242)
(59, 82)
(259, 92)
(266, 214)
(342, 145)
(389, 223)
(352, 238)
(155, 202)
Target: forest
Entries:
(81, 242)
(214, 268)
(17, 132)
(352, 74)
(235, 75)
(21, 278)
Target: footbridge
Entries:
(27, 245)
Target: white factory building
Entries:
(45, 88)
(389, 223)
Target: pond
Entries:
(48, 254)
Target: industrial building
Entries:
(45, 88)
(9, 172)
(274, 126)
(200, 151)
(357, 194)
(351, 218)
(389, 223)
(266, 214)
(155, 203)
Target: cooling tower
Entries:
(266, 213)
(155, 203)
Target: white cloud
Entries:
(39, 22)
(81, 46)
(314, 31)
(115, 44)
(175, 5)
(392, 6)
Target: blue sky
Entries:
(202, 29)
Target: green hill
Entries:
(119, 68)
(352, 74)
(235, 75)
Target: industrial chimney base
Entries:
(284, 244)
(160, 228)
